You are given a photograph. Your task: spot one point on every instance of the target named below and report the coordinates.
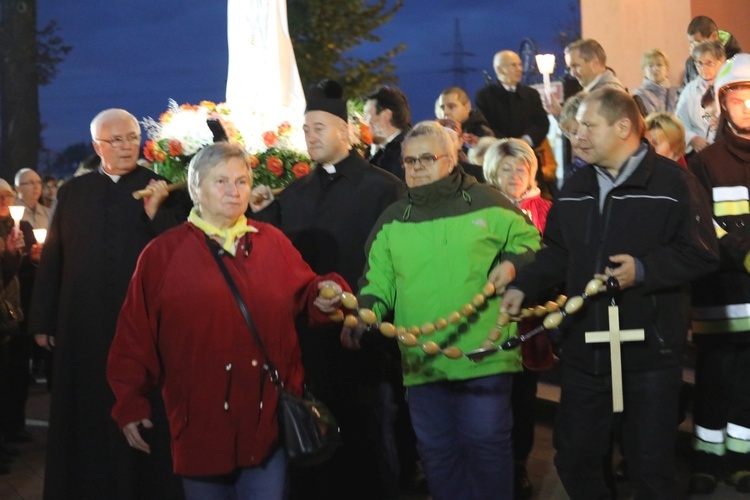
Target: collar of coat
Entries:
(584, 180)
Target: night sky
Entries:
(137, 54)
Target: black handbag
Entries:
(307, 429)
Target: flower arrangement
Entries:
(360, 136)
(182, 131)
(280, 163)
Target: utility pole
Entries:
(459, 69)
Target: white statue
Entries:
(263, 84)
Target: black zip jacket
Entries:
(661, 216)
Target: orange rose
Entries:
(254, 161)
(165, 117)
(284, 128)
(275, 166)
(270, 138)
(364, 133)
(160, 155)
(208, 105)
(148, 150)
(300, 169)
(175, 147)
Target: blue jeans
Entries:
(267, 481)
(463, 437)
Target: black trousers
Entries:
(722, 401)
(583, 431)
(15, 383)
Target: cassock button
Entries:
(254, 362)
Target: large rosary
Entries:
(553, 312)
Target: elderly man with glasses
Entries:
(95, 237)
(29, 189)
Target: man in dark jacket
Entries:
(389, 117)
(454, 104)
(95, 237)
(328, 215)
(645, 221)
(512, 109)
(704, 28)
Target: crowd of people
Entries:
(160, 389)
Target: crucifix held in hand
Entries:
(615, 337)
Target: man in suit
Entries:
(387, 112)
(512, 109)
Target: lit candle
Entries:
(40, 235)
(16, 212)
(546, 65)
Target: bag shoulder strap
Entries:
(216, 252)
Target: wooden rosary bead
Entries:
(430, 348)
(467, 310)
(388, 329)
(368, 316)
(351, 321)
(553, 320)
(494, 334)
(408, 339)
(452, 352)
(441, 323)
(560, 300)
(488, 290)
(349, 301)
(503, 319)
(540, 311)
(415, 330)
(478, 300)
(551, 306)
(428, 329)
(327, 292)
(593, 286)
(454, 317)
(574, 304)
(337, 317)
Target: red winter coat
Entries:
(180, 327)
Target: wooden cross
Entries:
(615, 337)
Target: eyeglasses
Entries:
(708, 117)
(706, 64)
(425, 160)
(118, 142)
(31, 183)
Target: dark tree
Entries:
(323, 31)
(28, 59)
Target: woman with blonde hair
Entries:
(656, 91)
(667, 135)
(510, 165)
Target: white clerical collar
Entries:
(508, 87)
(329, 168)
(114, 178)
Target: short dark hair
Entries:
(463, 97)
(703, 25)
(392, 98)
(616, 104)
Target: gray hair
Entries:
(19, 174)
(715, 49)
(208, 158)
(508, 148)
(109, 114)
(430, 128)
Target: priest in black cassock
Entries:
(95, 237)
(328, 215)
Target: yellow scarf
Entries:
(230, 235)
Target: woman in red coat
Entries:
(180, 328)
(510, 165)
